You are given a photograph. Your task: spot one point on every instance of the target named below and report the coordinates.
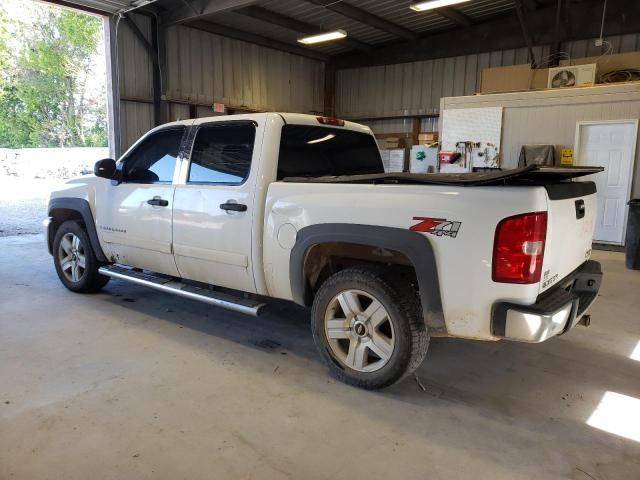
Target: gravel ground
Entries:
(23, 204)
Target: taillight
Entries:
(336, 122)
(518, 248)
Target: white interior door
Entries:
(609, 144)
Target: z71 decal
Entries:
(436, 226)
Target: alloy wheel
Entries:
(359, 331)
(72, 257)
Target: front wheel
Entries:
(368, 327)
(75, 262)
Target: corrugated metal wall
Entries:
(136, 83)
(203, 68)
(416, 88)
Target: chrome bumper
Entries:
(555, 311)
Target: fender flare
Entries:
(415, 246)
(82, 207)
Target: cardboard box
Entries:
(521, 77)
(513, 78)
(423, 159)
(392, 142)
(427, 137)
(394, 160)
(607, 63)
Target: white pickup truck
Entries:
(229, 210)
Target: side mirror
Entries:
(105, 168)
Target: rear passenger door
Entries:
(213, 211)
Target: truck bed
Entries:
(530, 175)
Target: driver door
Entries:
(134, 217)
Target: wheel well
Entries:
(61, 215)
(323, 260)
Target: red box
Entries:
(445, 157)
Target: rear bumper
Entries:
(555, 312)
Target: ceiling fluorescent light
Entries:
(431, 4)
(323, 37)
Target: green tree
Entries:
(46, 64)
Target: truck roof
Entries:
(289, 118)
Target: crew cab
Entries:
(230, 210)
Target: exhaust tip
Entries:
(585, 321)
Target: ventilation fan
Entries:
(572, 76)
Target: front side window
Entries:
(222, 153)
(154, 160)
(314, 151)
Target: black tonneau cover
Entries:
(531, 175)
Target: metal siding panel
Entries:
(459, 74)
(205, 68)
(173, 68)
(407, 87)
(448, 77)
(436, 84)
(483, 62)
(416, 85)
(135, 120)
(471, 74)
(495, 59)
(133, 60)
(178, 111)
(393, 93)
(426, 86)
(508, 57)
(628, 43)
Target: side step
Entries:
(176, 287)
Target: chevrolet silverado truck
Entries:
(231, 210)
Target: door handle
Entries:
(580, 209)
(158, 202)
(233, 207)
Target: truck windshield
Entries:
(309, 151)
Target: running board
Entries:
(176, 287)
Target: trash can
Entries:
(632, 244)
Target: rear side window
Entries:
(222, 153)
(309, 151)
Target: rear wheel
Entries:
(75, 262)
(368, 327)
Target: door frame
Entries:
(576, 149)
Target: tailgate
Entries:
(572, 209)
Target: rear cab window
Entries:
(314, 151)
(222, 153)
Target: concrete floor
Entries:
(130, 383)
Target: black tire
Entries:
(88, 278)
(399, 298)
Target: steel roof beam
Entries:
(454, 15)
(366, 18)
(190, 10)
(623, 17)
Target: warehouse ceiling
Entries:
(387, 31)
